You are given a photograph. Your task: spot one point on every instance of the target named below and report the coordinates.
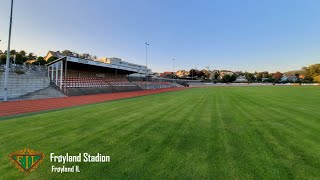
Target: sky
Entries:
(246, 35)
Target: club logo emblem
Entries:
(26, 160)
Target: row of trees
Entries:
(79, 55)
(197, 73)
(20, 56)
(312, 73)
(230, 77)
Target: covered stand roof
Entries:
(82, 63)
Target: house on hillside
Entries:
(182, 73)
(53, 54)
(155, 74)
(302, 76)
(289, 78)
(30, 61)
(241, 79)
(166, 74)
(223, 73)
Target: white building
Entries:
(119, 62)
(241, 79)
(289, 78)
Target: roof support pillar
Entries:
(52, 70)
(61, 74)
(57, 74)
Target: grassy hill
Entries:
(300, 72)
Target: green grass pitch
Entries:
(219, 133)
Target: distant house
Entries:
(165, 74)
(155, 74)
(302, 76)
(30, 61)
(182, 73)
(223, 73)
(53, 54)
(241, 79)
(289, 78)
(113, 60)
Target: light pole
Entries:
(208, 73)
(147, 44)
(5, 98)
(192, 73)
(173, 70)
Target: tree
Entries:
(316, 79)
(259, 76)
(200, 74)
(31, 56)
(193, 73)
(40, 60)
(85, 56)
(23, 53)
(307, 79)
(13, 52)
(19, 59)
(24, 59)
(233, 77)
(277, 76)
(77, 55)
(250, 77)
(52, 58)
(67, 52)
(3, 58)
(312, 72)
(215, 75)
(226, 78)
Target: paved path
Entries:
(28, 106)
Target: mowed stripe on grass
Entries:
(224, 132)
(30, 106)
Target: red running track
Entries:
(37, 105)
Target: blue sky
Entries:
(245, 35)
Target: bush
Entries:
(3, 58)
(316, 79)
(51, 59)
(40, 60)
(19, 71)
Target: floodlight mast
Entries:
(173, 70)
(5, 96)
(147, 44)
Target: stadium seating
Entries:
(120, 82)
(88, 85)
(79, 82)
(87, 82)
(154, 84)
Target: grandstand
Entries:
(76, 76)
(155, 82)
